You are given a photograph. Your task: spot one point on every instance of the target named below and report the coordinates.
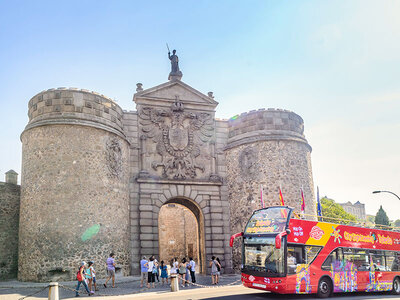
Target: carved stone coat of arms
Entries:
(179, 137)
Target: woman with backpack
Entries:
(218, 268)
(80, 276)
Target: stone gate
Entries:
(97, 179)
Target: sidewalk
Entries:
(126, 287)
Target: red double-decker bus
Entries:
(286, 255)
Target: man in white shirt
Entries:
(291, 262)
(192, 265)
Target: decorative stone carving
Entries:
(114, 157)
(248, 163)
(179, 136)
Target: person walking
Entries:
(192, 269)
(110, 270)
(182, 271)
(143, 271)
(89, 277)
(92, 270)
(150, 275)
(214, 270)
(173, 270)
(80, 276)
(164, 272)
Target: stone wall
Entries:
(9, 219)
(74, 197)
(267, 148)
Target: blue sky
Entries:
(335, 63)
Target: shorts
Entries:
(111, 273)
(214, 273)
(143, 276)
(151, 277)
(94, 279)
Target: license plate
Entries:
(260, 285)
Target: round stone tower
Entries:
(74, 195)
(266, 148)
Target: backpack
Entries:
(218, 267)
(78, 275)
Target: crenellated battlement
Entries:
(265, 124)
(75, 106)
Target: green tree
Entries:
(381, 217)
(334, 212)
(397, 223)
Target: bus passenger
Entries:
(291, 262)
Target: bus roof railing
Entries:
(350, 222)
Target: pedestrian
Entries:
(89, 276)
(150, 275)
(164, 272)
(187, 273)
(173, 270)
(143, 271)
(80, 276)
(176, 265)
(110, 270)
(214, 270)
(156, 270)
(219, 269)
(182, 271)
(92, 270)
(192, 269)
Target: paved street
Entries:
(131, 290)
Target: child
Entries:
(164, 273)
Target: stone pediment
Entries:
(167, 93)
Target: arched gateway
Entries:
(180, 163)
(181, 232)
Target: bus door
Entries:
(357, 268)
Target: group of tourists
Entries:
(150, 271)
(86, 276)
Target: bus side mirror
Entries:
(233, 237)
(288, 231)
(278, 239)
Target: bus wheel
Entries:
(396, 286)
(324, 288)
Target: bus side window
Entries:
(378, 260)
(392, 261)
(329, 260)
(294, 257)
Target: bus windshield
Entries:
(261, 255)
(270, 220)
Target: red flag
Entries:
(283, 211)
(281, 197)
(303, 204)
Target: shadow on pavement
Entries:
(268, 295)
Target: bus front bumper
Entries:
(272, 284)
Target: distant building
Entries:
(357, 209)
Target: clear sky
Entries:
(335, 63)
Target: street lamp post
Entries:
(377, 192)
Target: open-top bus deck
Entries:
(286, 255)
